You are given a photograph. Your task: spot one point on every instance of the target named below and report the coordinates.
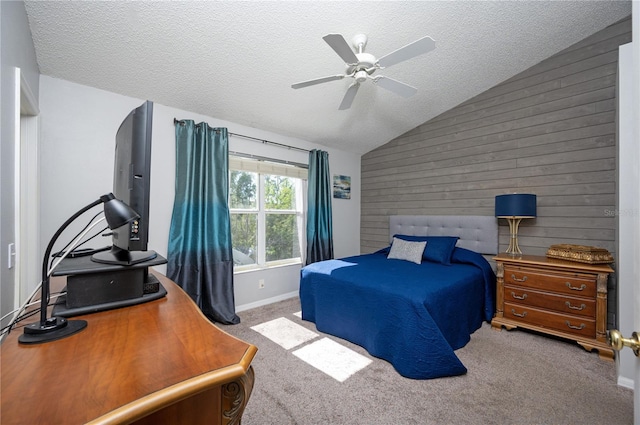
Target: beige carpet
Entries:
(514, 377)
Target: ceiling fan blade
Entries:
(418, 47)
(347, 100)
(341, 47)
(395, 86)
(317, 81)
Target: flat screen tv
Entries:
(131, 184)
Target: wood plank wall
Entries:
(550, 130)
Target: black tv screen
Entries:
(131, 184)
(131, 176)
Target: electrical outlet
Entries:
(261, 283)
(11, 260)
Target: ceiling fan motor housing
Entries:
(366, 62)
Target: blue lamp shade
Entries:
(516, 205)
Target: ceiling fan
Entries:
(361, 65)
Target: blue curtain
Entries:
(319, 224)
(200, 257)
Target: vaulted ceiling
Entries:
(237, 60)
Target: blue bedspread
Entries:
(412, 315)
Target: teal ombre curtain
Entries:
(319, 224)
(200, 257)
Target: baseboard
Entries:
(625, 382)
(266, 301)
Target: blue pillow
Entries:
(438, 249)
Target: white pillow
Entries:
(407, 250)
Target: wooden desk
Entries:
(158, 362)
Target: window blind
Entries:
(266, 167)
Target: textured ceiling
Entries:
(237, 60)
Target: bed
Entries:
(413, 315)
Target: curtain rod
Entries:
(255, 139)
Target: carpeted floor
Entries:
(331, 357)
(514, 377)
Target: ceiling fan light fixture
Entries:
(361, 76)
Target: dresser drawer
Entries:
(576, 325)
(583, 285)
(557, 302)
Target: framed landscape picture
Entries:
(342, 187)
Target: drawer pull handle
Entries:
(574, 288)
(519, 315)
(573, 307)
(523, 297)
(513, 276)
(578, 328)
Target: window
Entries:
(267, 215)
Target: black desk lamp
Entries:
(117, 214)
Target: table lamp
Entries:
(514, 207)
(117, 214)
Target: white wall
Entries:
(78, 126)
(17, 51)
(635, 72)
(628, 212)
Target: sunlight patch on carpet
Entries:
(332, 358)
(285, 333)
(298, 314)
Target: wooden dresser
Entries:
(557, 297)
(160, 362)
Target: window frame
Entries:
(262, 212)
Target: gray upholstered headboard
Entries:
(477, 233)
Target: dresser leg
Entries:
(605, 353)
(497, 324)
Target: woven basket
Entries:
(580, 253)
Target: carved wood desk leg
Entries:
(235, 396)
